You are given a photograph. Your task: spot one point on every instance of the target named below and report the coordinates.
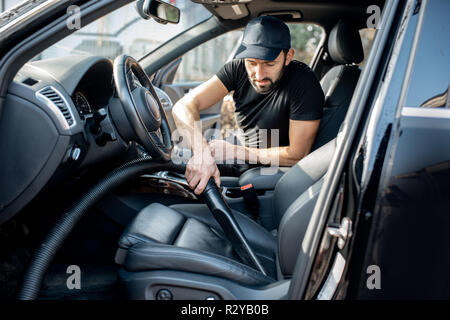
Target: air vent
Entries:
(56, 99)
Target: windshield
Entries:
(124, 31)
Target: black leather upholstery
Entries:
(259, 238)
(300, 177)
(338, 84)
(261, 180)
(293, 225)
(344, 44)
(144, 257)
(186, 237)
(179, 237)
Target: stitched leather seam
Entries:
(136, 237)
(222, 261)
(225, 267)
(174, 237)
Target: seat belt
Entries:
(251, 200)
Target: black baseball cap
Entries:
(264, 38)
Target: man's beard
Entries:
(272, 84)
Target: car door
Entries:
(395, 180)
(413, 191)
(337, 235)
(196, 66)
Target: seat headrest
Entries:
(344, 44)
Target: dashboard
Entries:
(85, 110)
(57, 121)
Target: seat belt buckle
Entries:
(250, 200)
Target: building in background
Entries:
(7, 4)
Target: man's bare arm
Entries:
(186, 113)
(187, 110)
(301, 138)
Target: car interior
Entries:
(145, 234)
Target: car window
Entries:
(8, 4)
(430, 76)
(202, 62)
(205, 60)
(124, 31)
(305, 40)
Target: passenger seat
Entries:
(338, 84)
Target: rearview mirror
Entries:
(160, 11)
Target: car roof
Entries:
(323, 12)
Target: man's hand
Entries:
(223, 150)
(186, 114)
(199, 169)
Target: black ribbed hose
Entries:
(224, 216)
(43, 256)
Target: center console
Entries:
(262, 179)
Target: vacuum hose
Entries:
(224, 216)
(43, 256)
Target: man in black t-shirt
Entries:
(297, 95)
(278, 102)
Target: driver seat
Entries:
(181, 252)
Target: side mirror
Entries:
(160, 11)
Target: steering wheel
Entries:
(143, 118)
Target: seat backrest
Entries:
(294, 199)
(293, 227)
(297, 190)
(338, 84)
(300, 177)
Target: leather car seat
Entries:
(178, 244)
(186, 238)
(338, 84)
